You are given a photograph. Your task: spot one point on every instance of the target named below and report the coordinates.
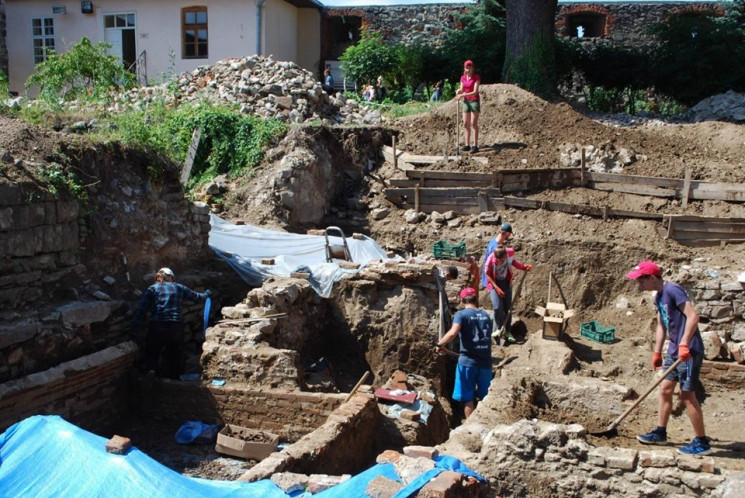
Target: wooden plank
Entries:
(483, 202)
(443, 192)
(703, 228)
(708, 219)
(450, 175)
(404, 183)
(191, 154)
(672, 183)
(677, 235)
(709, 242)
(396, 159)
(650, 190)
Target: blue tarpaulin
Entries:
(46, 456)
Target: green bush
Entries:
(370, 58)
(699, 56)
(230, 142)
(85, 71)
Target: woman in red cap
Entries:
(469, 92)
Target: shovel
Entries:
(611, 430)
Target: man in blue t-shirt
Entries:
(473, 374)
(678, 321)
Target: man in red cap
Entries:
(473, 374)
(678, 320)
(469, 92)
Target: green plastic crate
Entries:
(442, 249)
(593, 330)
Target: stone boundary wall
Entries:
(87, 392)
(291, 415)
(627, 23)
(344, 444)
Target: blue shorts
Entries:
(470, 379)
(686, 374)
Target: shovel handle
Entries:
(643, 396)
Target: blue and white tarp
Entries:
(243, 247)
(47, 457)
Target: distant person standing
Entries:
(473, 374)
(436, 92)
(165, 337)
(328, 81)
(381, 90)
(677, 321)
(469, 93)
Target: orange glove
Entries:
(500, 292)
(528, 267)
(683, 352)
(656, 361)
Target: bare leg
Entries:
(667, 387)
(475, 126)
(467, 127)
(693, 409)
(468, 408)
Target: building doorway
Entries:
(119, 31)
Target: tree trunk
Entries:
(530, 60)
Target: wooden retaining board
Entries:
(701, 230)
(460, 200)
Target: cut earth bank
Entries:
(588, 256)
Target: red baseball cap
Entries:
(468, 292)
(644, 268)
(469, 62)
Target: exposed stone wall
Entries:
(628, 23)
(425, 24)
(88, 391)
(291, 415)
(70, 274)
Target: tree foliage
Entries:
(370, 58)
(86, 70)
(699, 56)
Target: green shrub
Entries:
(85, 71)
(370, 58)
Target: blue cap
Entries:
(506, 227)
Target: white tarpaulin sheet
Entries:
(244, 246)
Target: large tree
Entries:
(530, 60)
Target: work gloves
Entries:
(500, 292)
(656, 361)
(528, 267)
(683, 352)
(208, 293)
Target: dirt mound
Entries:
(520, 130)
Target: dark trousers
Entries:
(165, 340)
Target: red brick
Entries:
(410, 415)
(421, 452)
(445, 485)
(118, 445)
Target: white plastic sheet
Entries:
(244, 246)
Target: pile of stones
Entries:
(258, 85)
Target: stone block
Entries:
(421, 452)
(445, 485)
(290, 482)
(737, 351)
(615, 458)
(382, 487)
(322, 482)
(409, 468)
(656, 459)
(118, 445)
(696, 464)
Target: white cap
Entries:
(166, 271)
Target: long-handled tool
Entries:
(457, 127)
(611, 430)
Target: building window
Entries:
(42, 33)
(194, 32)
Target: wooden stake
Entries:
(357, 386)
(582, 177)
(686, 187)
(561, 292)
(395, 154)
(550, 277)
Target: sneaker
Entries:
(657, 436)
(465, 148)
(699, 446)
(475, 149)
